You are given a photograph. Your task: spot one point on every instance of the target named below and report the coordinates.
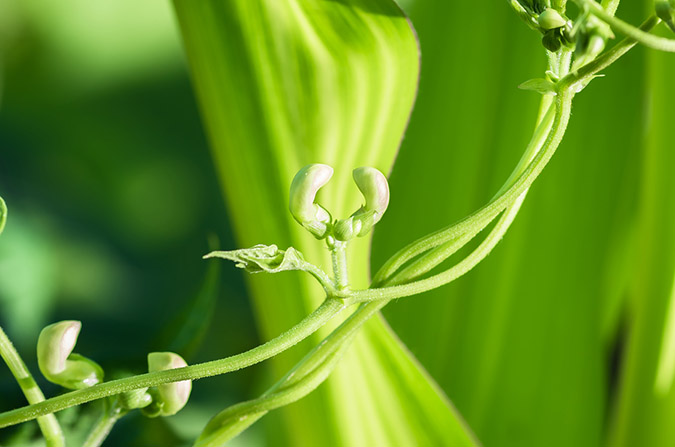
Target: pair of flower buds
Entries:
(318, 221)
(60, 365)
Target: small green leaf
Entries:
(540, 85)
(263, 258)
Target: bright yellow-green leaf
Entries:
(285, 83)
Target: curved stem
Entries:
(481, 218)
(610, 6)
(648, 40)
(49, 426)
(104, 426)
(459, 269)
(563, 103)
(237, 418)
(310, 324)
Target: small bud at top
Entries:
(170, 397)
(304, 188)
(375, 189)
(57, 362)
(551, 19)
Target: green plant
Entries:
(400, 275)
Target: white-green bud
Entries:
(58, 363)
(304, 188)
(551, 19)
(375, 189)
(169, 397)
(131, 400)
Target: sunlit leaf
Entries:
(263, 258)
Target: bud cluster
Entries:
(586, 35)
(318, 221)
(61, 366)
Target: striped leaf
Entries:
(285, 83)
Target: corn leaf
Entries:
(522, 344)
(285, 83)
(646, 397)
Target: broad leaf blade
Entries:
(646, 396)
(520, 344)
(285, 83)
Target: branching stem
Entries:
(648, 40)
(310, 324)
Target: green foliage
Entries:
(524, 344)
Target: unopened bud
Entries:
(131, 400)
(304, 188)
(169, 398)
(59, 364)
(375, 189)
(551, 19)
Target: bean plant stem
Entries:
(339, 257)
(48, 424)
(649, 40)
(563, 104)
(310, 324)
(104, 426)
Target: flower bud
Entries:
(169, 398)
(131, 400)
(375, 189)
(304, 188)
(57, 362)
(551, 19)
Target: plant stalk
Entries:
(51, 430)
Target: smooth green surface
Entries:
(283, 84)
(522, 344)
(646, 398)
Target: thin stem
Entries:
(459, 269)
(104, 426)
(649, 40)
(481, 218)
(589, 70)
(563, 109)
(310, 324)
(338, 254)
(49, 426)
(610, 6)
(434, 257)
(237, 418)
(320, 276)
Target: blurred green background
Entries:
(113, 200)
